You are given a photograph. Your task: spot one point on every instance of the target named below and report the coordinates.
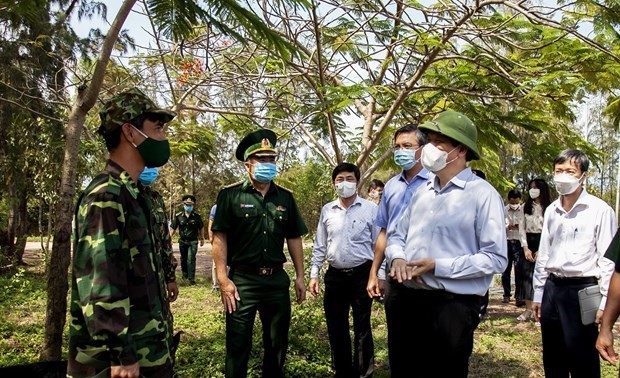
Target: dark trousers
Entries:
(568, 345)
(423, 324)
(514, 247)
(188, 252)
(345, 290)
(269, 295)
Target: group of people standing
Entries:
(524, 224)
(430, 247)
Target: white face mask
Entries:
(346, 189)
(434, 159)
(374, 195)
(566, 184)
(534, 193)
(514, 207)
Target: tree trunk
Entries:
(57, 275)
(11, 225)
(22, 226)
(50, 222)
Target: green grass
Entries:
(503, 347)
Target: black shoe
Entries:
(506, 299)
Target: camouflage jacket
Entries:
(117, 311)
(161, 232)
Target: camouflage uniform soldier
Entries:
(118, 324)
(161, 233)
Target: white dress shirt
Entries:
(345, 237)
(573, 243)
(515, 217)
(461, 226)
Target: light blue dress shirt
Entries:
(460, 226)
(344, 237)
(395, 198)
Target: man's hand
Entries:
(605, 346)
(173, 291)
(300, 289)
(400, 271)
(375, 286)
(129, 371)
(421, 266)
(599, 316)
(230, 295)
(313, 286)
(536, 311)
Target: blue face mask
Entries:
(405, 158)
(148, 176)
(188, 208)
(264, 172)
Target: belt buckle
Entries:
(265, 271)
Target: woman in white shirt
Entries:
(538, 199)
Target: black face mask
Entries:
(154, 152)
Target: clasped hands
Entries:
(406, 271)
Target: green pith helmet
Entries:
(128, 105)
(260, 143)
(458, 127)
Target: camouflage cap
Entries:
(458, 127)
(259, 143)
(128, 105)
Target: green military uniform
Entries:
(255, 228)
(613, 251)
(189, 229)
(161, 236)
(117, 310)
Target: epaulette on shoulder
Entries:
(179, 214)
(113, 186)
(233, 184)
(286, 189)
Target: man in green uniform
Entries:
(251, 222)
(190, 227)
(161, 233)
(118, 324)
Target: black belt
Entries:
(351, 270)
(512, 241)
(261, 271)
(563, 281)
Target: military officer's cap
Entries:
(189, 199)
(258, 143)
(126, 106)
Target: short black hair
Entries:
(574, 156)
(514, 193)
(420, 135)
(479, 173)
(375, 183)
(346, 167)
